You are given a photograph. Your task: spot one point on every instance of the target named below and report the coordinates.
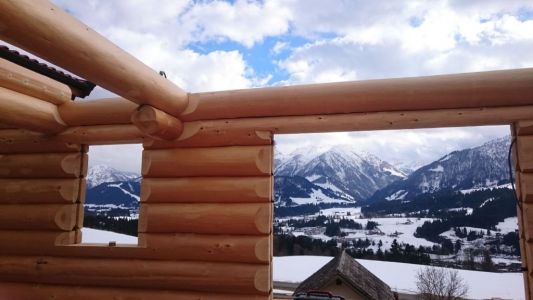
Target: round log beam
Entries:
(156, 123)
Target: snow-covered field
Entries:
(508, 225)
(401, 277)
(89, 235)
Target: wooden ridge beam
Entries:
(23, 111)
(24, 81)
(470, 90)
(45, 30)
(156, 123)
(26, 291)
(173, 275)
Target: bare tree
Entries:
(440, 284)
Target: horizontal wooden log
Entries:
(195, 134)
(35, 241)
(47, 31)
(524, 148)
(189, 276)
(50, 165)
(25, 141)
(25, 81)
(26, 291)
(202, 247)
(38, 216)
(223, 161)
(471, 90)
(524, 128)
(18, 191)
(527, 215)
(109, 111)
(207, 190)
(234, 218)
(156, 123)
(102, 135)
(27, 112)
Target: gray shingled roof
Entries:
(353, 273)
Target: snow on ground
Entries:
(469, 210)
(503, 186)
(402, 229)
(341, 211)
(90, 235)
(439, 168)
(119, 185)
(401, 277)
(317, 196)
(508, 225)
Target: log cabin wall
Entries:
(205, 228)
(523, 157)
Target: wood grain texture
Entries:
(26, 291)
(174, 275)
(22, 111)
(107, 111)
(207, 190)
(38, 217)
(18, 141)
(524, 148)
(219, 161)
(205, 247)
(35, 191)
(240, 218)
(49, 165)
(32, 241)
(25, 81)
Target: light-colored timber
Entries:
(526, 187)
(27, 112)
(108, 111)
(21, 191)
(49, 165)
(38, 217)
(102, 135)
(63, 40)
(470, 90)
(220, 161)
(207, 190)
(24, 81)
(524, 146)
(27, 291)
(234, 218)
(35, 240)
(156, 123)
(173, 275)
(25, 141)
(203, 247)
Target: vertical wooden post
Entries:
(523, 162)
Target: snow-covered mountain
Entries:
(120, 193)
(479, 167)
(349, 173)
(101, 173)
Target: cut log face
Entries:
(240, 218)
(207, 190)
(223, 161)
(50, 165)
(156, 123)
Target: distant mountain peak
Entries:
(99, 174)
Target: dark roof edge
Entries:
(80, 87)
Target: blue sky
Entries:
(218, 45)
